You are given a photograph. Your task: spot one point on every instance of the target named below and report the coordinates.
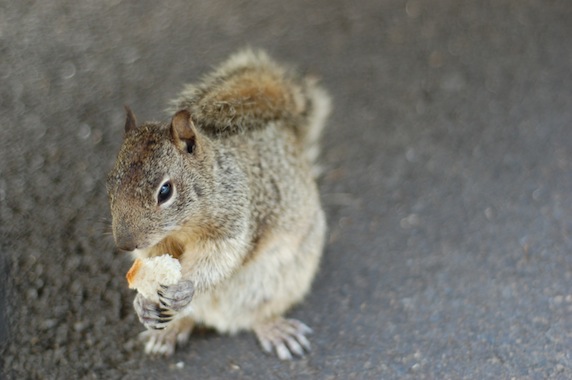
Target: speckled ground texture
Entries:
(447, 184)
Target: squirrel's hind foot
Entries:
(285, 337)
(163, 342)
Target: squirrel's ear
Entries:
(130, 121)
(182, 128)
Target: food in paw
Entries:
(146, 275)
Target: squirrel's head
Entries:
(158, 180)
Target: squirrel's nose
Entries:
(125, 241)
(126, 247)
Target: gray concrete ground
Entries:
(447, 184)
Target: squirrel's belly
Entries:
(225, 312)
(273, 281)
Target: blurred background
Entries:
(447, 183)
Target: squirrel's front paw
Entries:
(176, 297)
(172, 299)
(151, 314)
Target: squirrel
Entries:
(227, 187)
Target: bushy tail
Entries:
(318, 107)
(251, 91)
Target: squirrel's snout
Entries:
(124, 240)
(126, 247)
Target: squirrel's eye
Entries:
(165, 192)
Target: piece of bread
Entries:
(147, 274)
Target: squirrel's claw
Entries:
(286, 337)
(172, 299)
(176, 297)
(150, 314)
(163, 342)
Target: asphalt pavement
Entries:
(447, 184)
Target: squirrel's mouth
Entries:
(128, 239)
(128, 243)
(156, 246)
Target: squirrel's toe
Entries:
(285, 337)
(163, 342)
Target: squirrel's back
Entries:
(251, 91)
